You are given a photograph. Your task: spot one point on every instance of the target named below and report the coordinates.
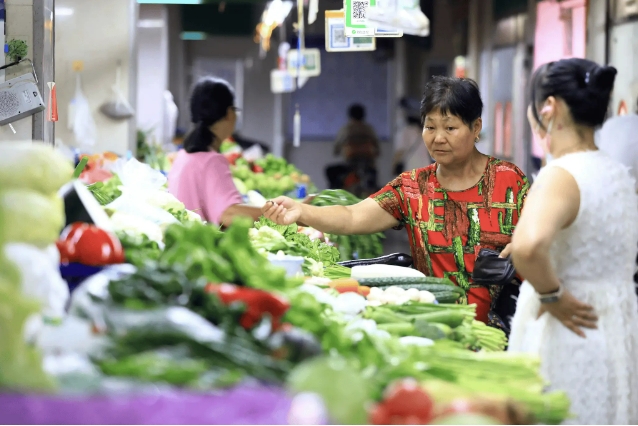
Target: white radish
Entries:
(374, 303)
(426, 297)
(395, 290)
(414, 294)
(384, 271)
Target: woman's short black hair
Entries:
(584, 85)
(357, 112)
(210, 99)
(454, 96)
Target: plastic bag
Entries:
(33, 165)
(141, 187)
(118, 108)
(80, 118)
(40, 277)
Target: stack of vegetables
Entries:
(320, 257)
(271, 176)
(31, 217)
(276, 177)
(209, 309)
(140, 223)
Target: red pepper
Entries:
(89, 245)
(233, 157)
(258, 303)
(257, 169)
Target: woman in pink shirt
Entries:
(200, 177)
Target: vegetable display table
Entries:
(241, 405)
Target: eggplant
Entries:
(395, 259)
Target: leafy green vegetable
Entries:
(204, 250)
(106, 192)
(285, 230)
(299, 244)
(138, 248)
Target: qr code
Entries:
(339, 37)
(359, 9)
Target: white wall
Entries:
(100, 33)
(152, 68)
(19, 26)
(624, 56)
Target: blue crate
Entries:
(75, 273)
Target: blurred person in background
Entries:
(409, 150)
(358, 144)
(575, 244)
(619, 139)
(451, 209)
(200, 176)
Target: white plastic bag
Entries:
(143, 193)
(80, 118)
(41, 280)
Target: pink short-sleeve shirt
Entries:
(203, 182)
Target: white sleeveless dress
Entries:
(594, 259)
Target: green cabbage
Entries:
(30, 217)
(33, 165)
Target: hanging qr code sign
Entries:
(308, 64)
(358, 25)
(336, 40)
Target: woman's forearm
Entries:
(536, 267)
(328, 219)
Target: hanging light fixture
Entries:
(274, 15)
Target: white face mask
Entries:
(546, 141)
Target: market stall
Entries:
(173, 320)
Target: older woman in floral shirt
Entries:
(451, 209)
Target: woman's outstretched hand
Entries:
(574, 314)
(282, 210)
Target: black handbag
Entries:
(489, 270)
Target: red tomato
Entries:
(90, 245)
(258, 169)
(407, 398)
(63, 249)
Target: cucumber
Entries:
(446, 297)
(432, 288)
(389, 281)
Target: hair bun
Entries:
(602, 78)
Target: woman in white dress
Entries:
(575, 244)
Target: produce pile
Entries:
(31, 217)
(271, 176)
(210, 310)
(202, 309)
(138, 212)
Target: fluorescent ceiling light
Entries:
(169, 1)
(150, 23)
(192, 35)
(63, 11)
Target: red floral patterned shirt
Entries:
(448, 228)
